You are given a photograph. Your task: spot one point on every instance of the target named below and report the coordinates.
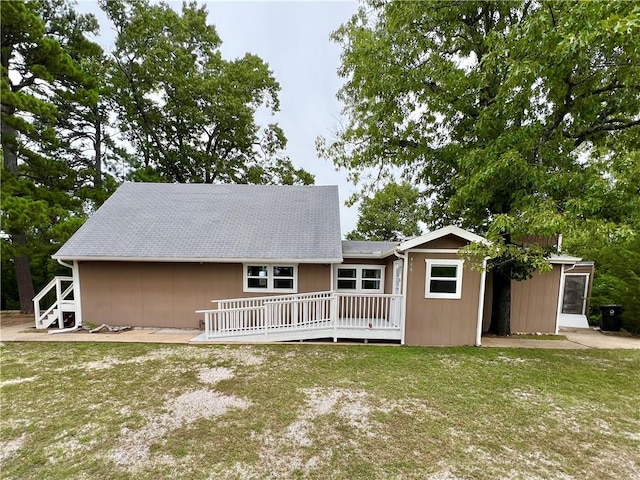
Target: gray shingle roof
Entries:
(202, 221)
(366, 247)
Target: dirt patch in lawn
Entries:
(133, 450)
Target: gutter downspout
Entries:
(76, 294)
(61, 262)
(483, 284)
(403, 309)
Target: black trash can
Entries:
(611, 319)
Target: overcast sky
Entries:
(293, 38)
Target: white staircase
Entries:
(60, 305)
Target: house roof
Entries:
(366, 248)
(203, 222)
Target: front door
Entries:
(575, 293)
(396, 303)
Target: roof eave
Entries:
(89, 258)
(375, 255)
(564, 260)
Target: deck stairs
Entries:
(304, 317)
(59, 303)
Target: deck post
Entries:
(334, 316)
(36, 310)
(59, 303)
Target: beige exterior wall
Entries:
(388, 274)
(168, 294)
(534, 303)
(435, 321)
(448, 241)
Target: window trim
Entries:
(432, 262)
(359, 278)
(270, 278)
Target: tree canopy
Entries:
(41, 44)
(189, 113)
(163, 106)
(506, 114)
(393, 213)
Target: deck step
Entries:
(49, 319)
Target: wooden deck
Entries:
(305, 317)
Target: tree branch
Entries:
(613, 125)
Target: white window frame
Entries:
(458, 278)
(359, 278)
(270, 278)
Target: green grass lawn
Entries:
(85, 411)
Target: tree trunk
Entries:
(501, 307)
(26, 292)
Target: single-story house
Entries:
(267, 263)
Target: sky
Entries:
(293, 38)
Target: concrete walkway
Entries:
(26, 332)
(577, 338)
(22, 330)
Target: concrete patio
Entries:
(19, 328)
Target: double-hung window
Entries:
(360, 278)
(270, 278)
(444, 279)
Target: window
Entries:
(444, 279)
(270, 278)
(360, 278)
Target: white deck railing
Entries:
(63, 302)
(330, 314)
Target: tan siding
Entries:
(534, 302)
(448, 241)
(156, 297)
(167, 294)
(546, 241)
(388, 274)
(433, 321)
(314, 278)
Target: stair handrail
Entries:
(56, 282)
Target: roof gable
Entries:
(441, 232)
(203, 222)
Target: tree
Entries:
(503, 112)
(38, 40)
(86, 136)
(393, 213)
(615, 249)
(187, 112)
